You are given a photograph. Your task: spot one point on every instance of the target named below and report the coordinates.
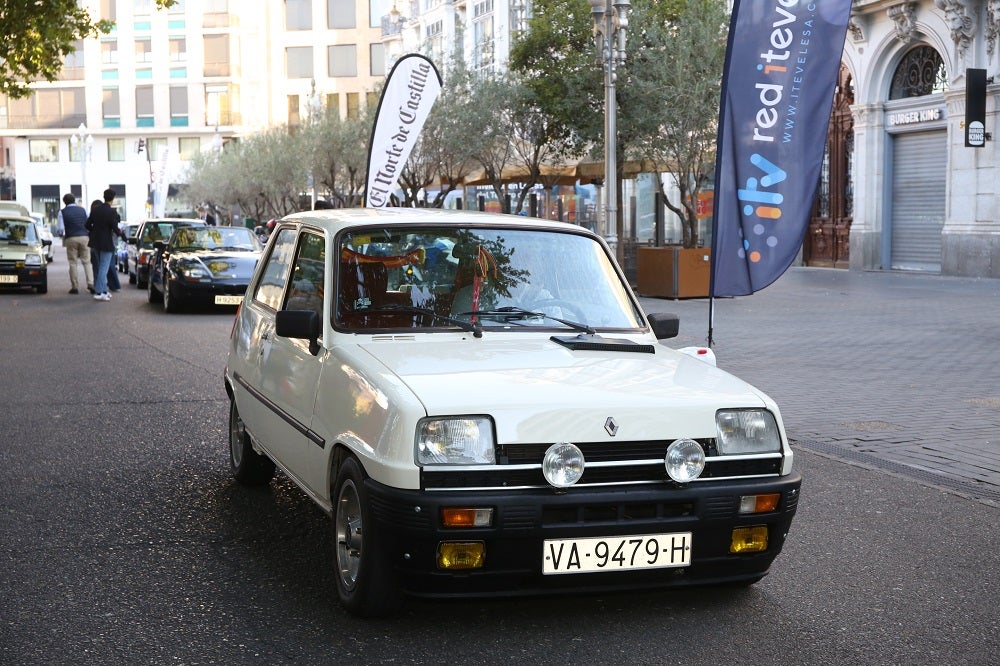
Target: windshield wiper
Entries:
(475, 329)
(511, 312)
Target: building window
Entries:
(299, 62)
(294, 114)
(371, 101)
(178, 49)
(342, 60)
(341, 14)
(178, 106)
(376, 54)
(920, 72)
(333, 104)
(177, 7)
(157, 148)
(216, 55)
(189, 147)
(116, 150)
(43, 150)
(143, 7)
(143, 50)
(353, 105)
(298, 14)
(73, 62)
(144, 106)
(111, 108)
(109, 52)
(108, 10)
(376, 10)
(482, 36)
(220, 101)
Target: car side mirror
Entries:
(46, 241)
(159, 245)
(133, 240)
(301, 325)
(664, 324)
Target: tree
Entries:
(37, 36)
(677, 74)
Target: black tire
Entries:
(366, 584)
(171, 301)
(249, 467)
(131, 278)
(152, 295)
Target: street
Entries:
(123, 539)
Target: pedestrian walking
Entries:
(103, 225)
(73, 228)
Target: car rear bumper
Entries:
(25, 277)
(409, 527)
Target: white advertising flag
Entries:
(409, 93)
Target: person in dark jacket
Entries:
(103, 224)
(113, 282)
(73, 229)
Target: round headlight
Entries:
(563, 464)
(685, 460)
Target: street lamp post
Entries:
(610, 24)
(83, 141)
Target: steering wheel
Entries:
(570, 310)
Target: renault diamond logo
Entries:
(611, 426)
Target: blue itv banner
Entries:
(777, 90)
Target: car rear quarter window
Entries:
(275, 274)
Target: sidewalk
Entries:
(888, 370)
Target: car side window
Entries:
(308, 274)
(272, 283)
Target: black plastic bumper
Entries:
(409, 526)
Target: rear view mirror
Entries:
(300, 325)
(664, 324)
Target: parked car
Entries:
(483, 408)
(13, 208)
(45, 233)
(140, 249)
(22, 253)
(121, 252)
(205, 264)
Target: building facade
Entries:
(920, 199)
(134, 106)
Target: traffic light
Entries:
(141, 147)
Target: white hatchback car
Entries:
(482, 407)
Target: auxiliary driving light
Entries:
(563, 464)
(461, 555)
(685, 460)
(456, 517)
(749, 540)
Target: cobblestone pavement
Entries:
(889, 370)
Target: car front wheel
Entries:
(249, 467)
(152, 295)
(365, 582)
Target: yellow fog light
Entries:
(456, 517)
(461, 555)
(759, 503)
(749, 540)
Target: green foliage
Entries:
(36, 36)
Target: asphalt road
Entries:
(124, 541)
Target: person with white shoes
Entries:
(103, 224)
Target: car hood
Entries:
(222, 264)
(9, 251)
(537, 390)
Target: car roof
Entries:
(17, 218)
(13, 205)
(176, 220)
(340, 218)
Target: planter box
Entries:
(673, 271)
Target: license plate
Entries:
(8, 279)
(228, 300)
(619, 553)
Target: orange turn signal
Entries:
(466, 517)
(759, 503)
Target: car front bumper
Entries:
(28, 276)
(206, 292)
(410, 527)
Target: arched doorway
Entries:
(918, 159)
(827, 241)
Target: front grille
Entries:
(520, 466)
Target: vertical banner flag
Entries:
(778, 82)
(410, 90)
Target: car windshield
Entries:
(215, 238)
(479, 278)
(17, 232)
(160, 231)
